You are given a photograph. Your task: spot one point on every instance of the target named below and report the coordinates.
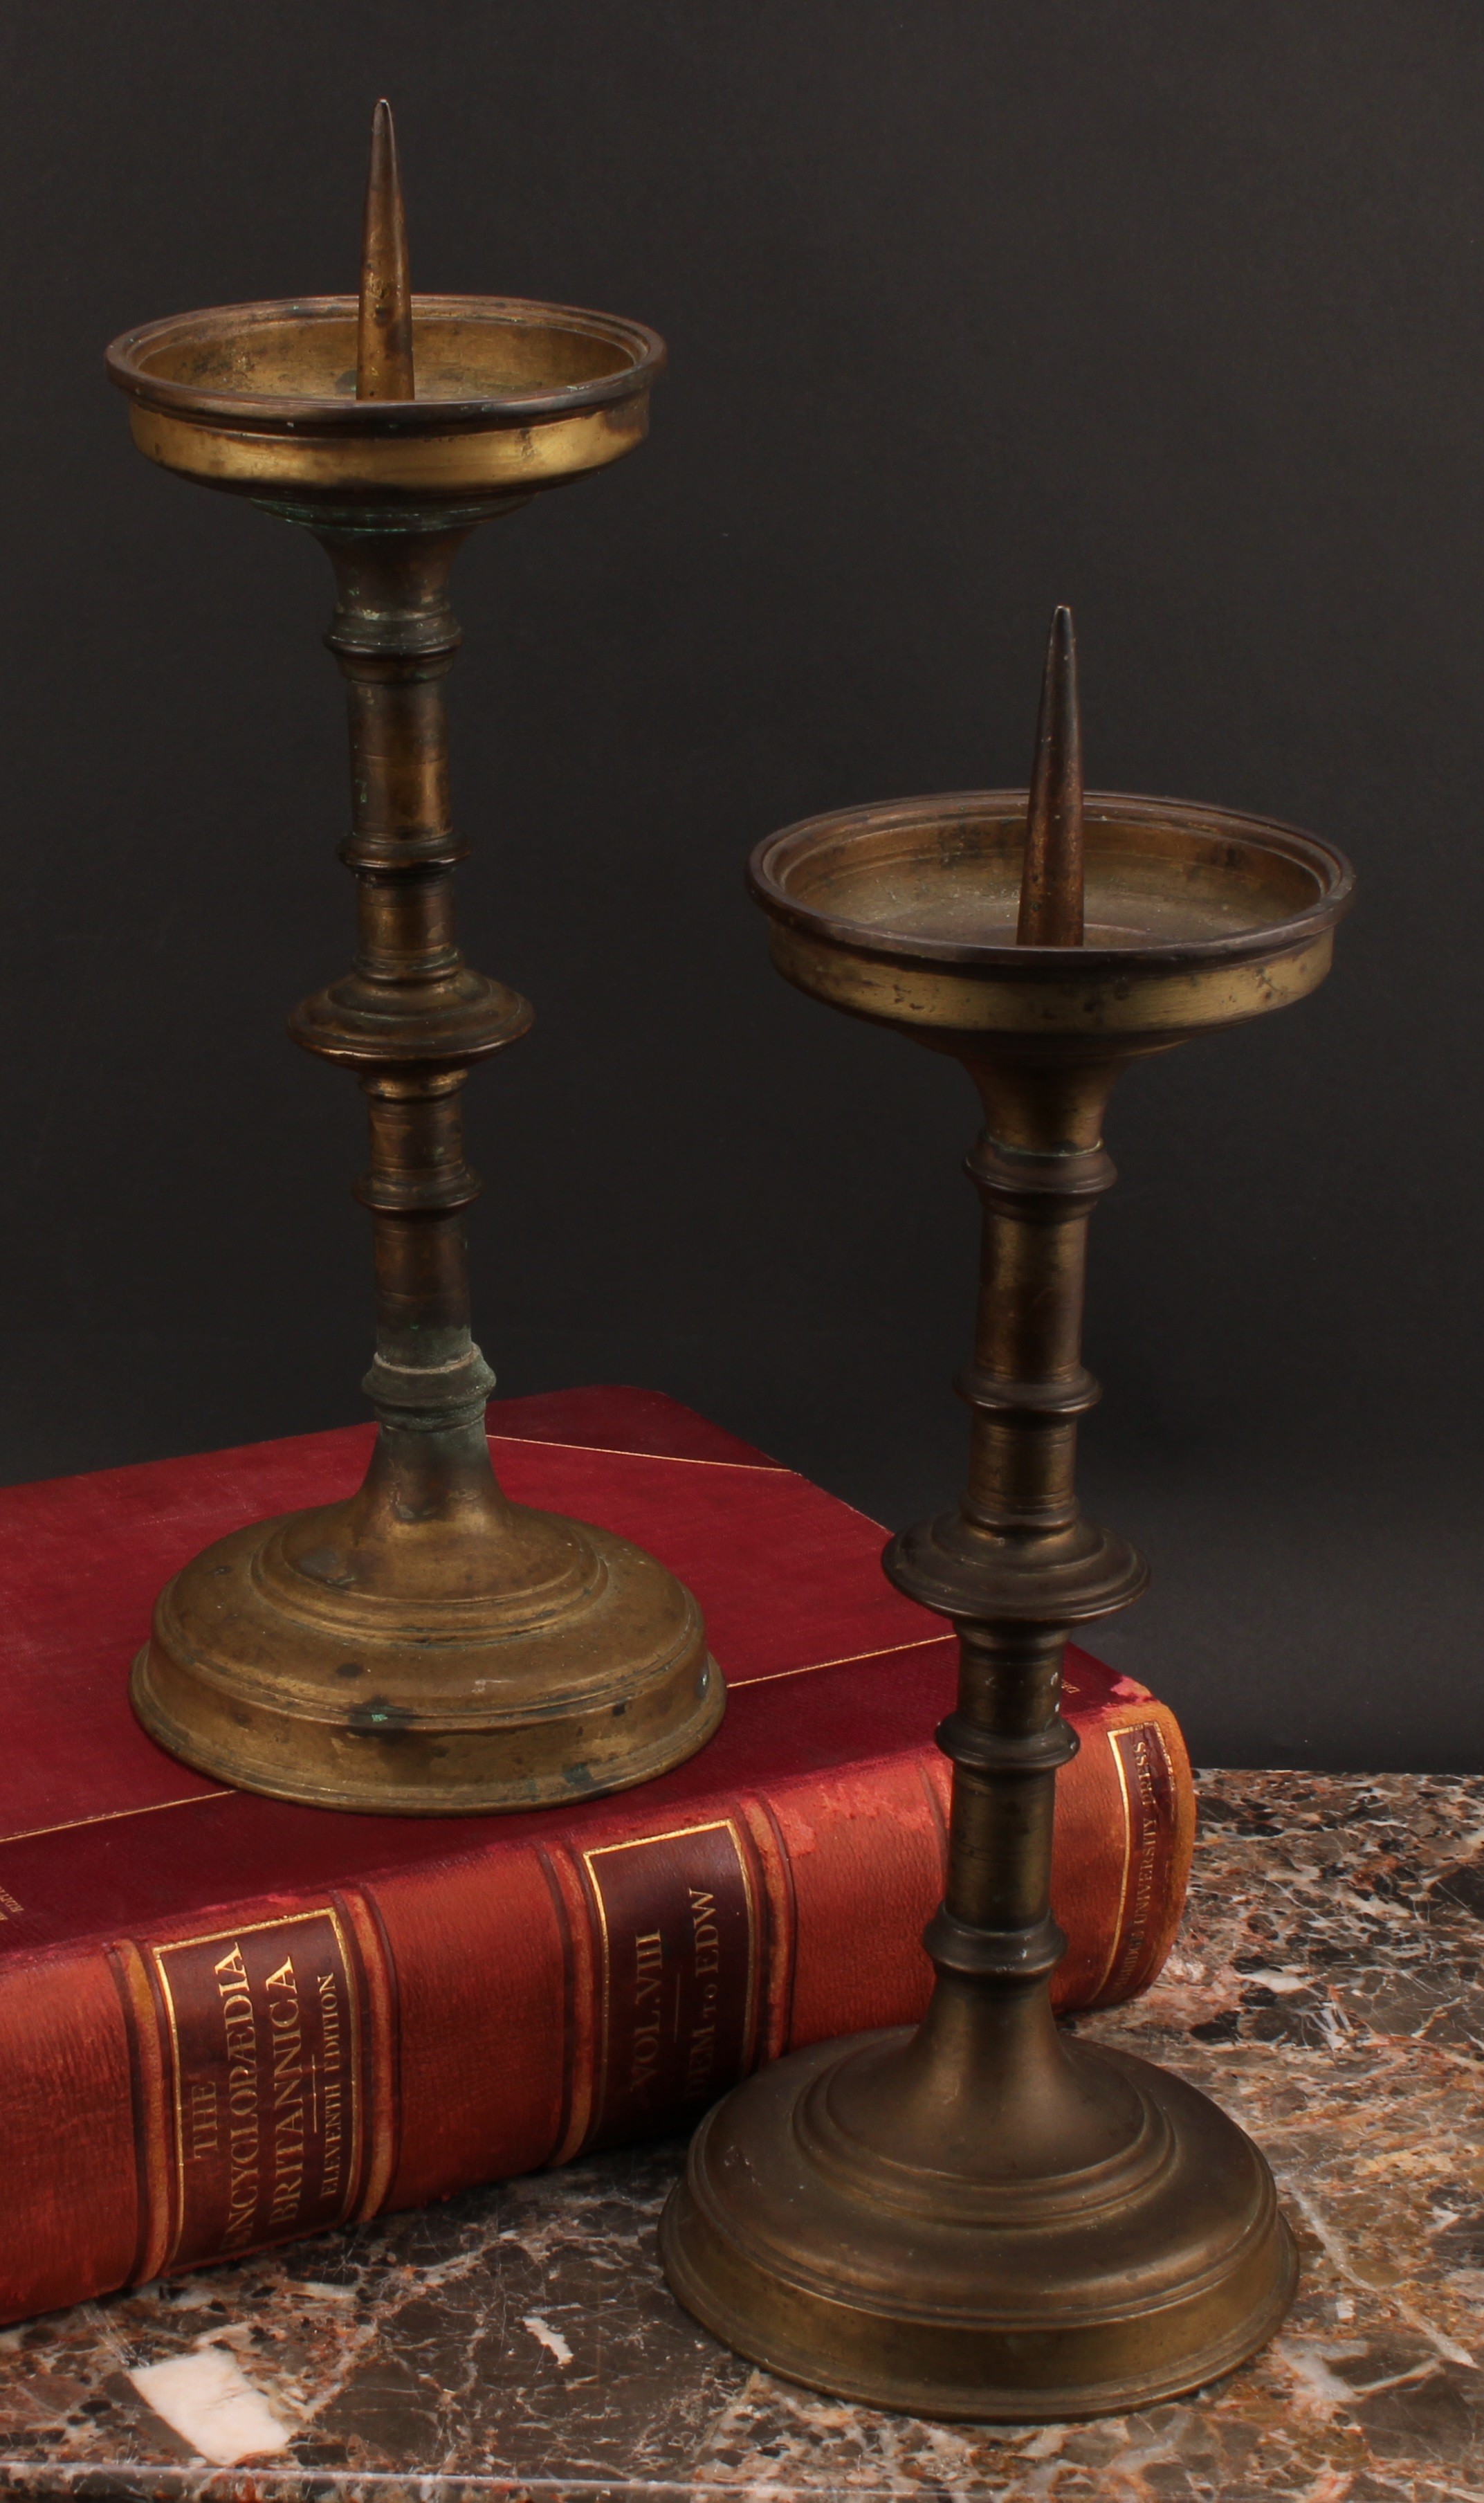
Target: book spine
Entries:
(187, 2099)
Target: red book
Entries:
(226, 2021)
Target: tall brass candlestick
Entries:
(428, 1647)
(982, 2218)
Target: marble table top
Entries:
(520, 2340)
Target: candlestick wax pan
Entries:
(510, 397)
(428, 1646)
(983, 2217)
(908, 914)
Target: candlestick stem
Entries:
(411, 1019)
(1039, 1169)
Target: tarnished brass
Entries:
(983, 2218)
(428, 1647)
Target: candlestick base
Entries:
(351, 1660)
(1100, 2238)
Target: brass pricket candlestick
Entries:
(428, 1647)
(983, 2218)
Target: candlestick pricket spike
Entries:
(428, 1646)
(983, 2218)
(1050, 880)
(384, 358)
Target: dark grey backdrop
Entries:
(1172, 309)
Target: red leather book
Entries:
(226, 2021)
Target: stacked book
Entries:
(228, 2021)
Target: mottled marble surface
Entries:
(1326, 1989)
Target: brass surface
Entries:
(428, 1647)
(983, 2218)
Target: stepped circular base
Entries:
(584, 1670)
(812, 2247)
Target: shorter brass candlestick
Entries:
(428, 1647)
(983, 2218)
